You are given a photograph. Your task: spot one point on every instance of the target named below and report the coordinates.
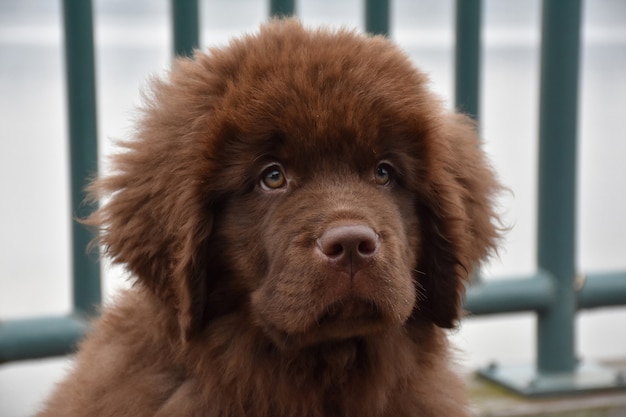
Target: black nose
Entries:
(349, 247)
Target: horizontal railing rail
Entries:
(555, 292)
(41, 337)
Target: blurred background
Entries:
(133, 43)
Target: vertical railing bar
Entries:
(282, 8)
(81, 96)
(377, 20)
(556, 244)
(185, 23)
(467, 57)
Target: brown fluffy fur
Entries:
(236, 311)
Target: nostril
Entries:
(333, 250)
(368, 247)
(349, 243)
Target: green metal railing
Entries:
(51, 336)
(282, 7)
(186, 26)
(467, 56)
(556, 245)
(81, 93)
(555, 292)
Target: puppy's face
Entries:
(306, 179)
(324, 239)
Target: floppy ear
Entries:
(151, 225)
(156, 218)
(458, 219)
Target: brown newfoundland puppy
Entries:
(300, 214)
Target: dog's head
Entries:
(306, 178)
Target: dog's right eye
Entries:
(273, 178)
(383, 174)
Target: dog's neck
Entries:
(337, 377)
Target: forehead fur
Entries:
(322, 92)
(310, 86)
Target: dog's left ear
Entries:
(459, 224)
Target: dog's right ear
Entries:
(156, 217)
(156, 227)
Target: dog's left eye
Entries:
(383, 174)
(273, 178)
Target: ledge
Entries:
(490, 400)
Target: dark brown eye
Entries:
(273, 178)
(383, 174)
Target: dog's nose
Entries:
(349, 247)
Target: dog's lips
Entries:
(350, 310)
(350, 317)
(343, 319)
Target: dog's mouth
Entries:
(341, 320)
(351, 310)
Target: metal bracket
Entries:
(528, 381)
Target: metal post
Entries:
(186, 26)
(557, 180)
(557, 370)
(467, 57)
(377, 17)
(80, 72)
(282, 8)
